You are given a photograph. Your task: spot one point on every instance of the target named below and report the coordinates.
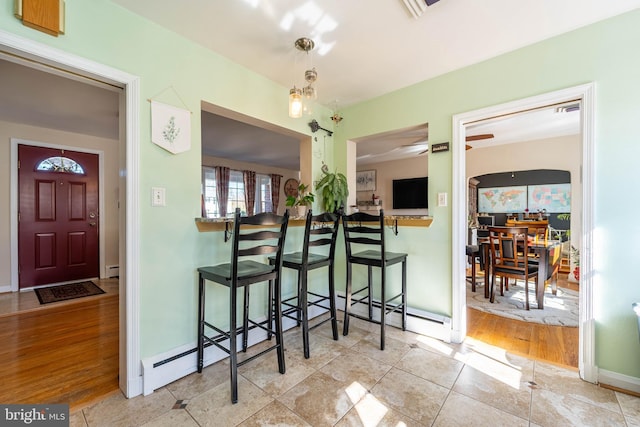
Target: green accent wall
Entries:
(172, 248)
(604, 53)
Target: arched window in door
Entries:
(60, 164)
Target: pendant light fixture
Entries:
(300, 99)
(295, 103)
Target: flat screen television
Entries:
(410, 193)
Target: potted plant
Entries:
(575, 257)
(302, 200)
(334, 189)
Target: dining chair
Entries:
(473, 257)
(318, 250)
(509, 258)
(364, 237)
(252, 237)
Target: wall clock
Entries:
(291, 187)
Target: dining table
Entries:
(548, 255)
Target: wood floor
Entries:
(554, 344)
(60, 353)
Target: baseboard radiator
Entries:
(162, 369)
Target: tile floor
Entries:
(415, 381)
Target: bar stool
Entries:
(362, 230)
(320, 232)
(253, 235)
(473, 253)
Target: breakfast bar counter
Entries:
(223, 224)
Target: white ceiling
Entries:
(365, 49)
(360, 54)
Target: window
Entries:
(210, 199)
(60, 164)
(236, 193)
(263, 193)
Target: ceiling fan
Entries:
(479, 137)
(419, 142)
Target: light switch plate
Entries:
(158, 196)
(442, 199)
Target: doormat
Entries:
(67, 292)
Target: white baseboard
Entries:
(6, 288)
(620, 381)
(154, 378)
(420, 322)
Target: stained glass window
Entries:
(60, 164)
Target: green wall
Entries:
(604, 53)
(171, 247)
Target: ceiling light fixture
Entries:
(299, 99)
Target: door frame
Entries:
(586, 94)
(14, 191)
(130, 370)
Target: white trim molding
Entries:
(614, 379)
(586, 94)
(131, 370)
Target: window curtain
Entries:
(275, 192)
(249, 178)
(222, 189)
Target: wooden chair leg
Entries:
(278, 320)
(245, 320)
(492, 292)
(200, 323)
(304, 312)
(404, 295)
(473, 273)
(270, 310)
(370, 296)
(332, 303)
(299, 316)
(347, 302)
(233, 346)
(383, 305)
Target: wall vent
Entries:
(113, 271)
(417, 7)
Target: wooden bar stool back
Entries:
(365, 245)
(258, 235)
(318, 250)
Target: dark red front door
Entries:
(58, 216)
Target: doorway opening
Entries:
(584, 94)
(44, 57)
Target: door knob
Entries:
(92, 224)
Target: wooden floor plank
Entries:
(554, 344)
(60, 354)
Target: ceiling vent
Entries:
(417, 7)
